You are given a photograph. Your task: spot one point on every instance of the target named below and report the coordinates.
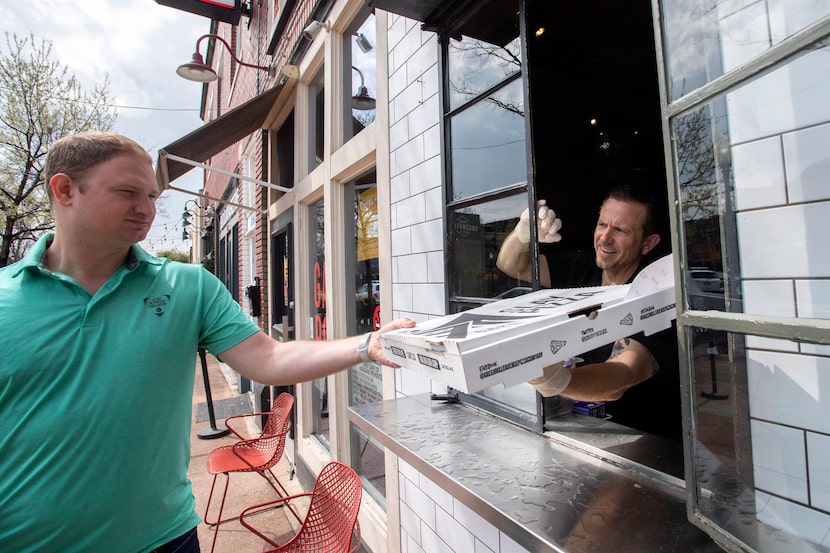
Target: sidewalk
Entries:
(245, 488)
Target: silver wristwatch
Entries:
(363, 348)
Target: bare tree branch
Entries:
(40, 101)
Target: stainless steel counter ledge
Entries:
(544, 495)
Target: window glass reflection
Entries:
(319, 392)
(751, 168)
(361, 95)
(366, 267)
(477, 234)
(316, 121)
(366, 379)
(705, 39)
(476, 65)
(757, 457)
(488, 143)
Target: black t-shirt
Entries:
(652, 406)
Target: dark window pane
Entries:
(488, 143)
(488, 52)
(478, 232)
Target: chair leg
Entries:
(281, 492)
(221, 504)
(275, 484)
(218, 520)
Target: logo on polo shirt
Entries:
(158, 304)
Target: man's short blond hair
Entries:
(76, 154)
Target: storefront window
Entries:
(316, 121)
(365, 379)
(319, 392)
(360, 84)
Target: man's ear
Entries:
(62, 188)
(650, 242)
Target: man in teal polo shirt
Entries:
(98, 340)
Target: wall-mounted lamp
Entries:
(362, 101)
(198, 71)
(313, 29)
(363, 42)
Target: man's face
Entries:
(618, 237)
(118, 202)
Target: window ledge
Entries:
(543, 493)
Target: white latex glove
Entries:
(553, 381)
(547, 224)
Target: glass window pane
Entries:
(488, 143)
(760, 440)
(488, 52)
(366, 268)
(477, 234)
(704, 39)
(319, 392)
(366, 379)
(361, 89)
(754, 200)
(316, 121)
(368, 460)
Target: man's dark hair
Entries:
(641, 193)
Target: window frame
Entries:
(690, 320)
(533, 421)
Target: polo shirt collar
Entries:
(36, 258)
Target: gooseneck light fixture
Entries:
(198, 71)
(362, 101)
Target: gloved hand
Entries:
(553, 381)
(547, 224)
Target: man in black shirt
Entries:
(638, 375)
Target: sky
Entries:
(139, 44)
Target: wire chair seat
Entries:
(330, 524)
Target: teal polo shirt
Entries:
(96, 401)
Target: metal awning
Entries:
(419, 10)
(432, 13)
(179, 157)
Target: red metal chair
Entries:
(258, 455)
(330, 523)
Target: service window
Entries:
(554, 101)
(749, 125)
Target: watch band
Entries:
(363, 348)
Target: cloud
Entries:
(138, 44)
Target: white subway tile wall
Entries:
(780, 461)
(433, 520)
(758, 169)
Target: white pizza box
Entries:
(510, 341)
